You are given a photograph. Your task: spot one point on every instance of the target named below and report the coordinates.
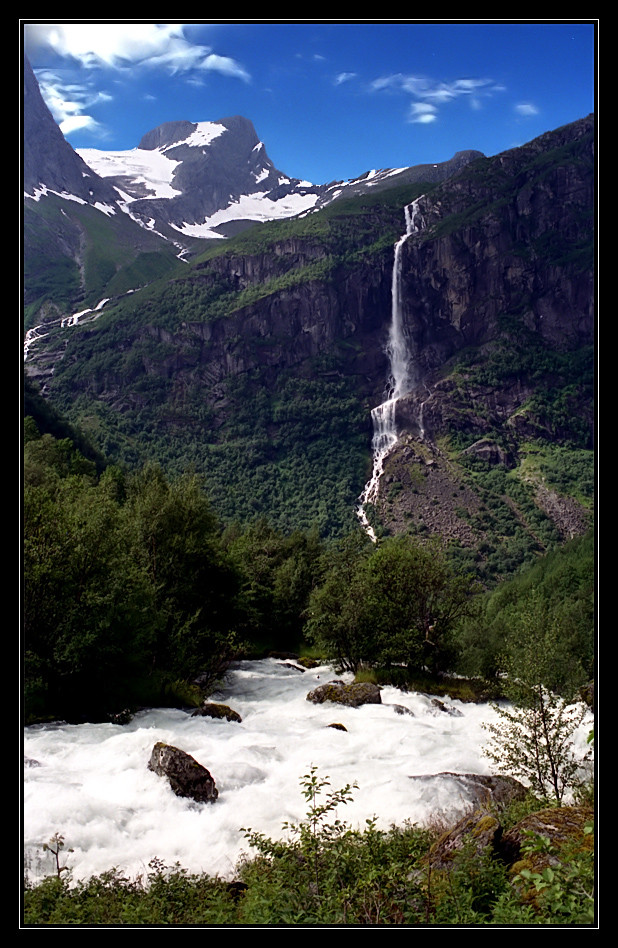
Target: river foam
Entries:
(91, 783)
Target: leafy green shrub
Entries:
(325, 873)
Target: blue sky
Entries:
(330, 99)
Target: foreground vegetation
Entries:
(133, 590)
(326, 873)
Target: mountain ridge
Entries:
(259, 363)
(258, 360)
(185, 183)
(227, 184)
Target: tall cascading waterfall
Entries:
(400, 379)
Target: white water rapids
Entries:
(91, 782)
(400, 374)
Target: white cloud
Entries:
(344, 77)
(423, 113)
(69, 101)
(117, 44)
(124, 45)
(526, 109)
(226, 66)
(76, 122)
(428, 94)
(119, 47)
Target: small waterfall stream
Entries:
(64, 322)
(400, 379)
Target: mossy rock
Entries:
(309, 662)
(479, 831)
(563, 826)
(563, 834)
(212, 710)
(352, 695)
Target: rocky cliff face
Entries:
(510, 235)
(50, 164)
(76, 239)
(517, 246)
(498, 305)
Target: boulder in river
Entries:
(210, 709)
(352, 695)
(186, 776)
(480, 789)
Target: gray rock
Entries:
(186, 776)
(482, 789)
(353, 695)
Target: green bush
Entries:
(326, 873)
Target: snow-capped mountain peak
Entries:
(201, 179)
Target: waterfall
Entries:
(38, 332)
(399, 380)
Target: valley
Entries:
(259, 361)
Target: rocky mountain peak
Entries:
(169, 133)
(49, 162)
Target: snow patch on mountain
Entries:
(153, 169)
(204, 134)
(44, 191)
(255, 207)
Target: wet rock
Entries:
(186, 776)
(353, 695)
(441, 706)
(401, 709)
(309, 662)
(121, 717)
(211, 709)
(482, 789)
(338, 727)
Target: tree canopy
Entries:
(396, 604)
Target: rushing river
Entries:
(91, 783)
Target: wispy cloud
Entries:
(422, 112)
(226, 66)
(128, 45)
(69, 101)
(85, 50)
(344, 77)
(429, 95)
(526, 109)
